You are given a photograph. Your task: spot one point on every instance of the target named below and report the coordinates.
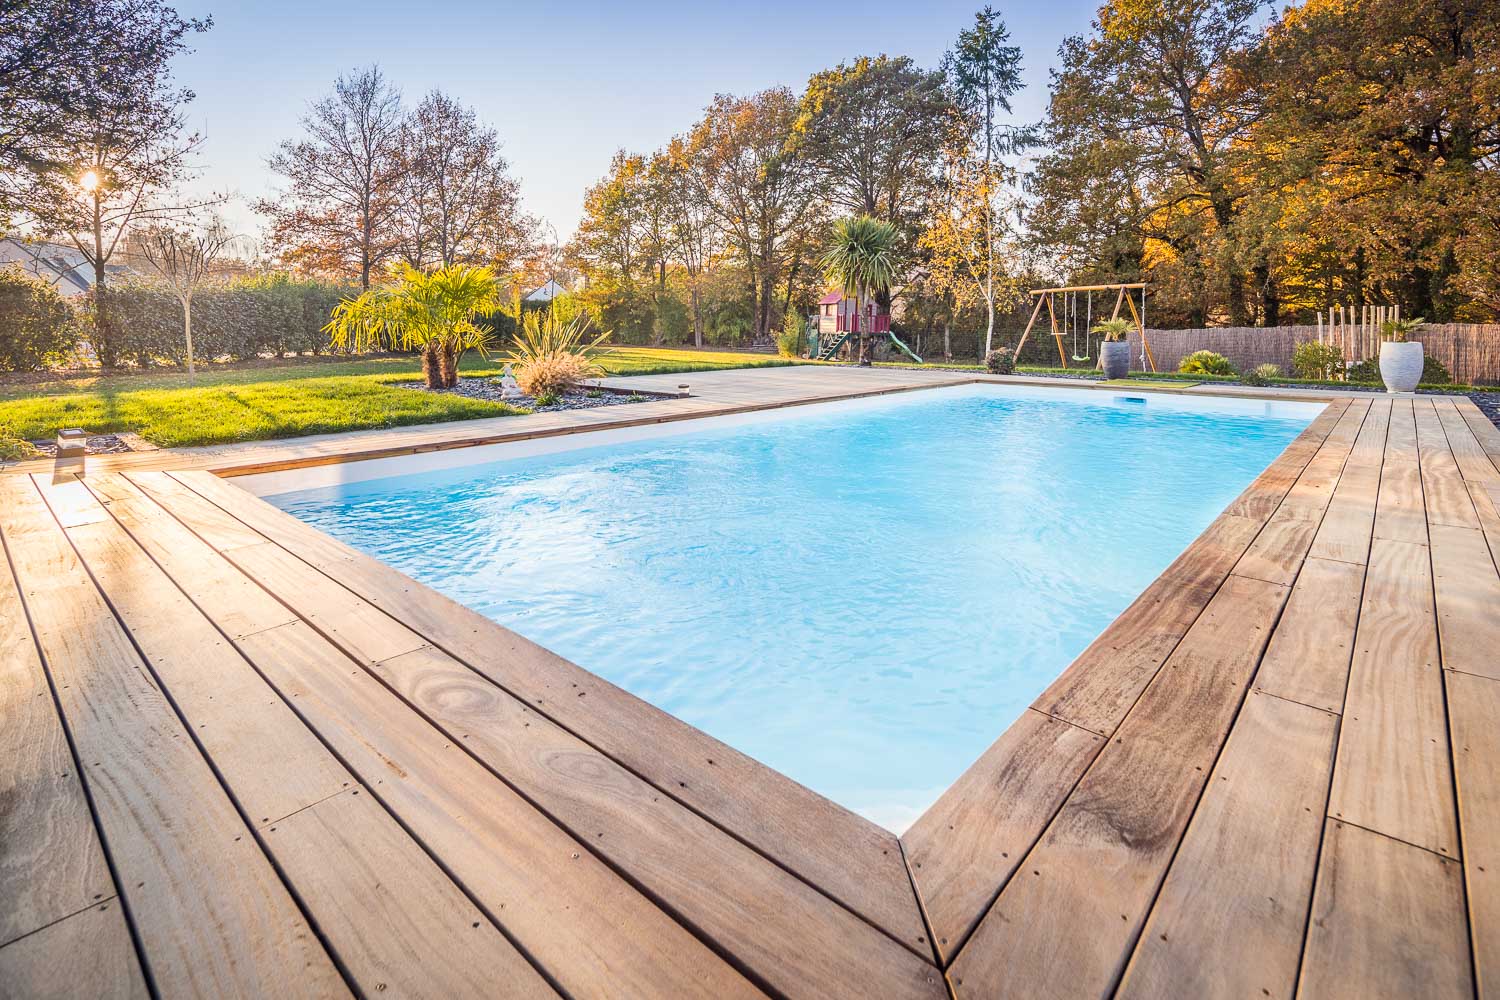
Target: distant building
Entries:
(60, 266)
(546, 293)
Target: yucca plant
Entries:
(434, 312)
(862, 262)
(552, 356)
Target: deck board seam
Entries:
(583, 842)
(1134, 945)
(541, 711)
(92, 904)
(149, 671)
(114, 875)
(1301, 467)
(1458, 824)
(1343, 708)
(290, 703)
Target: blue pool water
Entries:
(862, 596)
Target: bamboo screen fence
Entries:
(1470, 351)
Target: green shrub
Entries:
(791, 339)
(272, 314)
(1313, 360)
(1205, 363)
(12, 448)
(1000, 361)
(1434, 372)
(546, 398)
(1261, 375)
(37, 329)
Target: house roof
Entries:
(546, 293)
(63, 267)
(831, 298)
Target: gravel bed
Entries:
(98, 444)
(488, 389)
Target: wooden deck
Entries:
(240, 758)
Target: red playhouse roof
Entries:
(831, 298)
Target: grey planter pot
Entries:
(1401, 365)
(1114, 358)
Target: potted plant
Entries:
(1114, 349)
(1400, 356)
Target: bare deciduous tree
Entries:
(343, 190)
(184, 259)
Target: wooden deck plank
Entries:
(51, 863)
(1484, 430)
(1393, 774)
(399, 925)
(210, 911)
(964, 848)
(1350, 519)
(1473, 711)
(1445, 494)
(89, 954)
(1308, 658)
(1467, 587)
(285, 779)
(843, 854)
(1098, 688)
(782, 929)
(594, 933)
(1231, 915)
(1387, 921)
(1068, 920)
(1399, 513)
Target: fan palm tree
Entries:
(434, 312)
(862, 262)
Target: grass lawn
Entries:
(253, 403)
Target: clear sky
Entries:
(564, 84)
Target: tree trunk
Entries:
(697, 298)
(432, 365)
(187, 332)
(450, 357)
(947, 340)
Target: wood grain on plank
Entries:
(89, 954)
(1068, 920)
(1231, 915)
(211, 913)
(1349, 522)
(593, 932)
(845, 855)
(1098, 688)
(964, 848)
(1467, 587)
(51, 863)
(1393, 773)
(1445, 493)
(1484, 430)
(390, 914)
(1265, 493)
(1473, 711)
(400, 926)
(1308, 658)
(1387, 921)
(784, 930)
(1399, 513)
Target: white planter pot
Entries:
(1114, 358)
(1401, 365)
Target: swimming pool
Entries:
(862, 595)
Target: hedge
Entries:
(37, 329)
(273, 315)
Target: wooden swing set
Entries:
(1070, 323)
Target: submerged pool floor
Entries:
(862, 596)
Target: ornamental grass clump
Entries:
(551, 357)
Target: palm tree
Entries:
(862, 262)
(430, 311)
